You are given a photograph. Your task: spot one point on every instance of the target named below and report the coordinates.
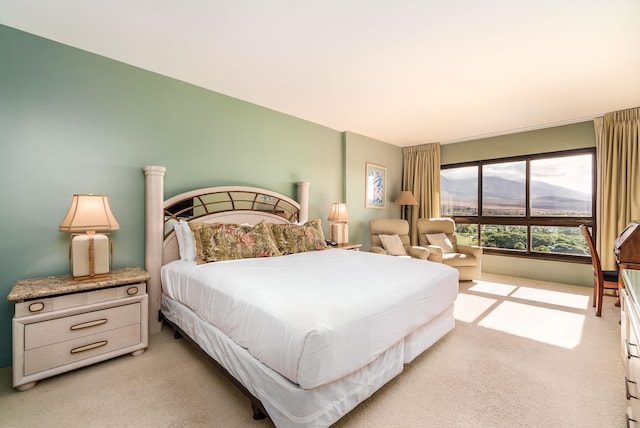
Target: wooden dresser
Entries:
(630, 341)
(61, 324)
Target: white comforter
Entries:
(314, 317)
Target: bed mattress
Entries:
(314, 317)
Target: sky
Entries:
(572, 172)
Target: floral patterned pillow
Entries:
(224, 241)
(294, 238)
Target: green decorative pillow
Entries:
(294, 238)
(223, 241)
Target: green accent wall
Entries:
(568, 137)
(75, 122)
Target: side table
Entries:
(61, 324)
(349, 246)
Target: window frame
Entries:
(528, 220)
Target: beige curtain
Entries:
(421, 175)
(618, 178)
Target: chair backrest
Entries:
(389, 226)
(595, 259)
(436, 225)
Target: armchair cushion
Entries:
(441, 240)
(393, 245)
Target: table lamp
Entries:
(339, 230)
(89, 253)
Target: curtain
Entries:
(618, 178)
(421, 175)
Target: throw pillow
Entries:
(392, 244)
(223, 241)
(298, 238)
(441, 240)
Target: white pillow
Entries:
(441, 240)
(186, 241)
(392, 244)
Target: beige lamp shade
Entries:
(406, 198)
(338, 213)
(89, 212)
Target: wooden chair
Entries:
(601, 279)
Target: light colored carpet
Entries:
(524, 353)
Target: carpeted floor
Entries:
(524, 353)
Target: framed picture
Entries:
(376, 193)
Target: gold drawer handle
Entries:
(88, 347)
(132, 291)
(88, 324)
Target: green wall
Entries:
(359, 151)
(74, 122)
(575, 136)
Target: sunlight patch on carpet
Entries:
(552, 326)
(469, 307)
(569, 300)
(493, 288)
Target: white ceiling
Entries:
(405, 72)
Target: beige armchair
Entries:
(391, 236)
(438, 235)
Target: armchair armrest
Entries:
(436, 253)
(377, 250)
(419, 252)
(474, 250)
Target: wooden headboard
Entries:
(226, 204)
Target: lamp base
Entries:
(339, 232)
(90, 256)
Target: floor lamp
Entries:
(405, 199)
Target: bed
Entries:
(306, 332)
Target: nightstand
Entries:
(61, 324)
(349, 246)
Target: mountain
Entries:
(501, 192)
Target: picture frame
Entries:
(376, 186)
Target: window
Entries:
(528, 206)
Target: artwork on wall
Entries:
(376, 177)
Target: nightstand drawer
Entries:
(67, 328)
(59, 354)
(50, 304)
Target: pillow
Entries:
(224, 241)
(441, 240)
(186, 244)
(298, 238)
(392, 244)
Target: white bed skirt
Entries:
(286, 403)
(423, 338)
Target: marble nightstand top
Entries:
(65, 284)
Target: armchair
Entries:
(391, 236)
(438, 235)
